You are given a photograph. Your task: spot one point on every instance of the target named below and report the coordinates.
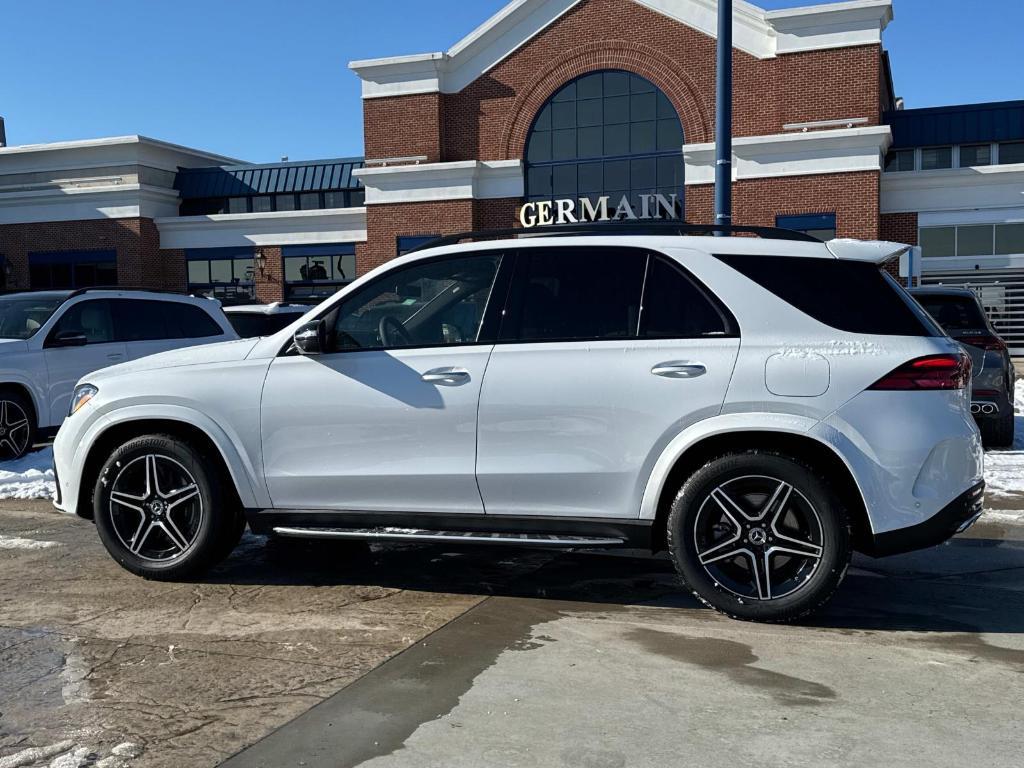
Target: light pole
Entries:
(723, 117)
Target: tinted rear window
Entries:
(953, 313)
(850, 296)
(251, 324)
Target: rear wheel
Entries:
(160, 509)
(759, 537)
(998, 433)
(17, 424)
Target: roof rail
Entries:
(80, 291)
(622, 228)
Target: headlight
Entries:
(83, 394)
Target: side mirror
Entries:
(311, 338)
(68, 339)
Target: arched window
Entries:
(605, 133)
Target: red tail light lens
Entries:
(988, 343)
(933, 372)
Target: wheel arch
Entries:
(120, 432)
(800, 446)
(24, 389)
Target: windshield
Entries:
(22, 316)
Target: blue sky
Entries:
(258, 79)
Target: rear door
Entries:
(604, 355)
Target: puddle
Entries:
(734, 660)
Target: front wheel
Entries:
(160, 509)
(759, 537)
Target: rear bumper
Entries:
(952, 519)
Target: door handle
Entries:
(448, 377)
(115, 356)
(679, 369)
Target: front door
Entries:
(605, 355)
(94, 319)
(386, 419)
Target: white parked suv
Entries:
(50, 339)
(758, 407)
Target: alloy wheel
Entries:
(758, 537)
(14, 430)
(156, 508)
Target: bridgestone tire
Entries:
(218, 522)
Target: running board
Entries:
(464, 537)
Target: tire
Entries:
(17, 424)
(752, 505)
(998, 433)
(174, 528)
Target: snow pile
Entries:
(1004, 470)
(30, 477)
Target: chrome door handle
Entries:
(448, 377)
(678, 369)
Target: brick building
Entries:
(550, 109)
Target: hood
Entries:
(205, 354)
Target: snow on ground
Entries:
(30, 477)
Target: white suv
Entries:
(758, 407)
(50, 339)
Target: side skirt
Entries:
(471, 529)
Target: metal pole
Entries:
(723, 117)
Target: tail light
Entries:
(933, 372)
(988, 343)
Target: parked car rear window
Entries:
(252, 324)
(850, 296)
(953, 313)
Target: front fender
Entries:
(75, 441)
(719, 425)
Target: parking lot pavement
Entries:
(93, 658)
(918, 662)
(497, 657)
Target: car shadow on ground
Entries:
(966, 586)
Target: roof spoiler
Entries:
(872, 251)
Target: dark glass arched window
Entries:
(605, 133)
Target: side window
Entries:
(576, 294)
(139, 320)
(185, 321)
(92, 318)
(432, 303)
(675, 308)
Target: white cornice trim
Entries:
(758, 32)
(113, 150)
(463, 180)
(957, 189)
(847, 150)
(336, 225)
(118, 201)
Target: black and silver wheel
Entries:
(17, 425)
(160, 510)
(759, 536)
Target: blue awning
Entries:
(268, 179)
(964, 124)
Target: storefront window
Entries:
(819, 225)
(226, 274)
(407, 243)
(606, 133)
(314, 272)
(72, 269)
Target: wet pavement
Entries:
(426, 656)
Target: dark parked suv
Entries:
(960, 314)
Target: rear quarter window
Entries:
(850, 296)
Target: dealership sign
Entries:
(585, 209)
